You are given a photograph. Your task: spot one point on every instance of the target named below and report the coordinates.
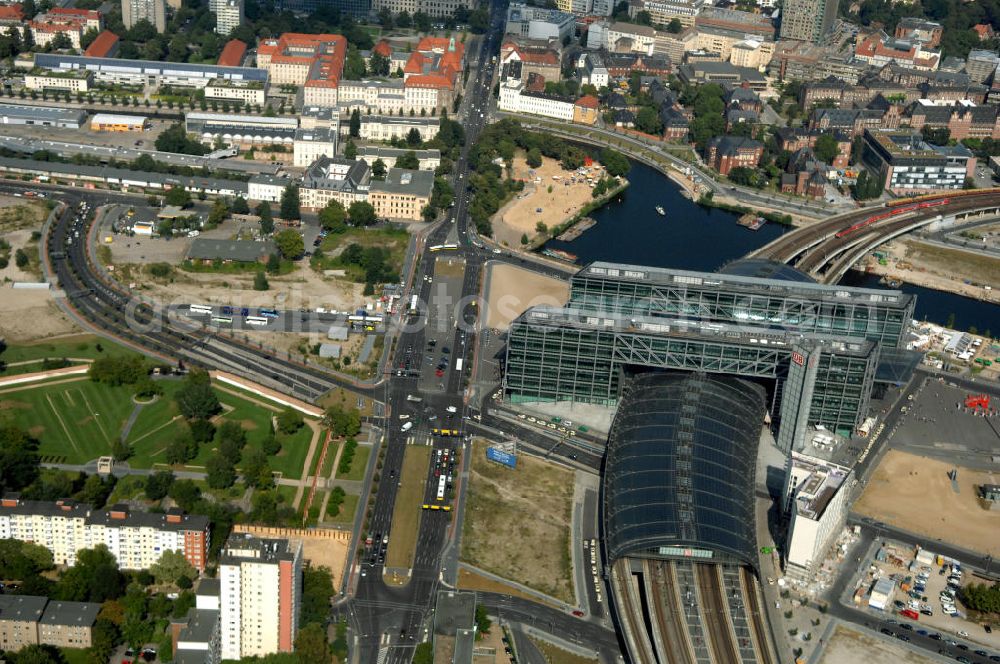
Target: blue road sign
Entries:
(506, 458)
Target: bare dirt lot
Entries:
(513, 290)
(517, 522)
(940, 268)
(849, 647)
(914, 493)
(566, 197)
(31, 314)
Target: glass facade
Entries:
(778, 303)
(679, 475)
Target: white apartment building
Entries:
(539, 22)
(61, 81)
(429, 160)
(387, 127)
(629, 38)
(136, 539)
(514, 99)
(311, 144)
(816, 499)
(228, 16)
(260, 595)
(664, 11)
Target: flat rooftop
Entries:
(816, 483)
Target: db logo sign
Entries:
(798, 359)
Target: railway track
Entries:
(715, 616)
(631, 613)
(666, 606)
(107, 308)
(760, 633)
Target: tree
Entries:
(524, 238)
(413, 138)
(647, 120)
(158, 484)
(675, 26)
(534, 158)
(868, 186)
(333, 217)
(177, 196)
(170, 566)
(260, 281)
(221, 473)
(342, 422)
(290, 243)
(266, 220)
(18, 459)
(408, 160)
(403, 19)
(289, 421)
(256, 471)
(196, 399)
(240, 206)
(37, 653)
(355, 124)
(290, 203)
(424, 653)
(311, 645)
(186, 494)
(378, 169)
(103, 639)
(936, 135)
(361, 213)
(175, 139)
(273, 264)
(354, 64)
(483, 623)
(350, 150)
(826, 149)
(379, 64)
(94, 577)
(614, 162)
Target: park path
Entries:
(133, 416)
(313, 442)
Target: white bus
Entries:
(413, 306)
(458, 365)
(222, 319)
(200, 309)
(256, 320)
(444, 247)
(442, 483)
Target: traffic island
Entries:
(406, 515)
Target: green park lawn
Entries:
(347, 509)
(76, 422)
(358, 464)
(83, 346)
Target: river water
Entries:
(692, 237)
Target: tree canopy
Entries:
(290, 243)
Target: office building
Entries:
(242, 92)
(918, 29)
(403, 194)
(515, 98)
(260, 595)
(136, 539)
(311, 144)
(980, 65)
(724, 153)
(428, 160)
(228, 16)
(387, 127)
(314, 62)
(539, 23)
(72, 23)
(819, 345)
(905, 163)
(662, 12)
(808, 20)
(145, 72)
(433, 8)
(816, 501)
(154, 11)
(962, 119)
(631, 38)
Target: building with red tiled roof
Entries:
(879, 50)
(232, 54)
(70, 22)
(10, 14)
(105, 46)
(984, 31)
(383, 48)
(315, 62)
(519, 61)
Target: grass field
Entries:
(331, 455)
(358, 464)
(75, 421)
(406, 512)
(75, 655)
(555, 655)
(535, 501)
(82, 346)
(347, 510)
(395, 241)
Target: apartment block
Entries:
(73, 23)
(29, 620)
(261, 594)
(136, 539)
(333, 178)
(808, 20)
(154, 11)
(403, 194)
(228, 17)
(907, 164)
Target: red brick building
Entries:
(724, 153)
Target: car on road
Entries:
(578, 613)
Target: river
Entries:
(692, 237)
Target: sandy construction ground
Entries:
(514, 289)
(303, 288)
(849, 647)
(31, 314)
(521, 215)
(942, 268)
(534, 501)
(914, 493)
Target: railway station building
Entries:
(818, 350)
